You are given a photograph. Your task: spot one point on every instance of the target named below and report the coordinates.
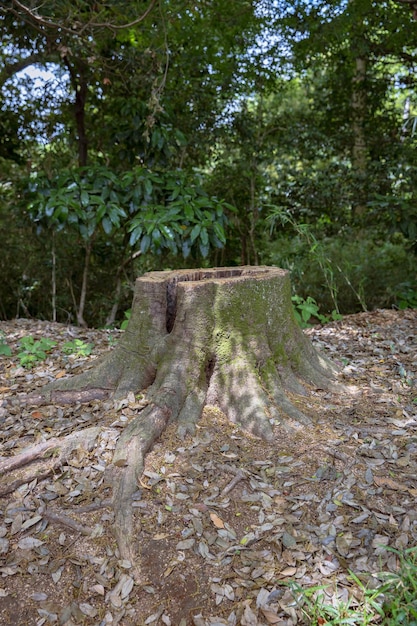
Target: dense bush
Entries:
(361, 272)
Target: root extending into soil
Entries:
(223, 337)
(59, 449)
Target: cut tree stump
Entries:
(225, 337)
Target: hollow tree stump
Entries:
(225, 337)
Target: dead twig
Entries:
(64, 520)
(240, 475)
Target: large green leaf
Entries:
(85, 198)
(195, 232)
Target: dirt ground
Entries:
(226, 524)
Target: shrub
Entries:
(361, 273)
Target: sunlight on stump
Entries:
(225, 337)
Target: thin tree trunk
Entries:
(80, 100)
(359, 148)
(253, 217)
(78, 76)
(81, 306)
(118, 290)
(53, 278)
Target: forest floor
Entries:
(223, 520)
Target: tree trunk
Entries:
(359, 148)
(78, 76)
(225, 337)
(81, 306)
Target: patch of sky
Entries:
(40, 89)
(37, 81)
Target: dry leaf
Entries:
(288, 571)
(270, 616)
(383, 481)
(217, 521)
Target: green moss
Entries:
(268, 369)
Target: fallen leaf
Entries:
(270, 616)
(382, 481)
(288, 571)
(217, 521)
(28, 543)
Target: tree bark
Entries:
(225, 337)
(359, 148)
(83, 295)
(79, 81)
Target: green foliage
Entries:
(392, 603)
(112, 340)
(125, 322)
(160, 210)
(32, 351)
(316, 249)
(177, 216)
(84, 199)
(121, 216)
(318, 610)
(4, 348)
(406, 296)
(399, 210)
(78, 348)
(306, 309)
(400, 591)
(364, 271)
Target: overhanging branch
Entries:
(77, 28)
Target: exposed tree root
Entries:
(132, 446)
(50, 454)
(11, 487)
(28, 455)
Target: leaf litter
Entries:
(226, 524)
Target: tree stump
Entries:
(225, 337)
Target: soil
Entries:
(226, 524)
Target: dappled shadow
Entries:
(318, 503)
(224, 337)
